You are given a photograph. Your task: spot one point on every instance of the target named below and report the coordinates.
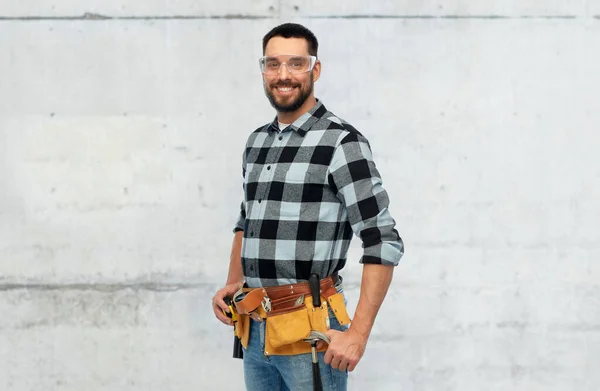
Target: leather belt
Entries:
(256, 302)
(301, 288)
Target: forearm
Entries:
(376, 280)
(236, 274)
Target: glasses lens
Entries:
(298, 64)
(294, 64)
(269, 65)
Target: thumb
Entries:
(329, 334)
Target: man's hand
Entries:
(219, 305)
(345, 349)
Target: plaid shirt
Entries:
(307, 189)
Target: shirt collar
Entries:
(305, 121)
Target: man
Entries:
(310, 184)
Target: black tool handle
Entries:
(238, 352)
(315, 289)
(317, 383)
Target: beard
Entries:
(293, 103)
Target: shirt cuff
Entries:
(388, 254)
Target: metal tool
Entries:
(313, 338)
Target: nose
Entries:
(284, 73)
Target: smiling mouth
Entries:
(284, 89)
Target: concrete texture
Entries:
(121, 133)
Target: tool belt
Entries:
(289, 314)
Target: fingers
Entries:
(219, 315)
(352, 365)
(339, 354)
(219, 306)
(329, 354)
(220, 303)
(351, 359)
(336, 361)
(347, 363)
(342, 362)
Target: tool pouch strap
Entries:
(252, 300)
(338, 306)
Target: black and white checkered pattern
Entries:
(307, 189)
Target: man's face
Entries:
(287, 92)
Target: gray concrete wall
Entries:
(121, 131)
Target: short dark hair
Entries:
(293, 30)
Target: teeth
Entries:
(285, 89)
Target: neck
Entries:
(290, 117)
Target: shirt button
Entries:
(268, 167)
(259, 201)
(252, 234)
(280, 138)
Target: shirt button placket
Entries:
(269, 178)
(270, 173)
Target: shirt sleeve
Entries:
(241, 220)
(357, 183)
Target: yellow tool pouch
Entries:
(286, 329)
(337, 305)
(319, 316)
(242, 329)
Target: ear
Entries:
(316, 73)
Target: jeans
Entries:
(287, 373)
